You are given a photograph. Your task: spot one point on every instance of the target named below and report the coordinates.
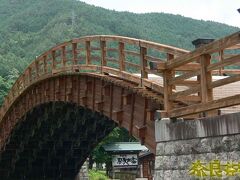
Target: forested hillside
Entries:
(30, 27)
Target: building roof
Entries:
(125, 147)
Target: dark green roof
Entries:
(124, 146)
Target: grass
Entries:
(97, 175)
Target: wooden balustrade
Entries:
(176, 69)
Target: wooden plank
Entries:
(186, 92)
(187, 83)
(227, 80)
(183, 77)
(226, 62)
(188, 98)
(212, 47)
(198, 108)
(132, 53)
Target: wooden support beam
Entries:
(150, 114)
(127, 99)
(143, 61)
(208, 106)
(141, 133)
(53, 60)
(45, 64)
(225, 62)
(89, 87)
(74, 53)
(132, 114)
(183, 77)
(206, 78)
(63, 56)
(121, 56)
(225, 81)
(88, 53)
(37, 68)
(103, 53)
(168, 89)
(111, 101)
(106, 88)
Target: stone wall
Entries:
(175, 154)
(174, 158)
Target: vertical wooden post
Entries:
(63, 54)
(206, 78)
(88, 53)
(74, 53)
(53, 60)
(221, 54)
(143, 61)
(45, 64)
(167, 75)
(37, 69)
(121, 56)
(103, 54)
(29, 75)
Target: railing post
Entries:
(103, 54)
(143, 60)
(29, 75)
(121, 56)
(221, 54)
(88, 53)
(74, 53)
(206, 78)
(167, 75)
(37, 69)
(63, 54)
(53, 60)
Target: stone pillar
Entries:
(83, 173)
(181, 143)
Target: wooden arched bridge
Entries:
(70, 97)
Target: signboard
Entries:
(124, 160)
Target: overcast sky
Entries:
(224, 11)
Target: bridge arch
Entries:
(80, 73)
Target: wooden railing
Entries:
(122, 56)
(195, 71)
